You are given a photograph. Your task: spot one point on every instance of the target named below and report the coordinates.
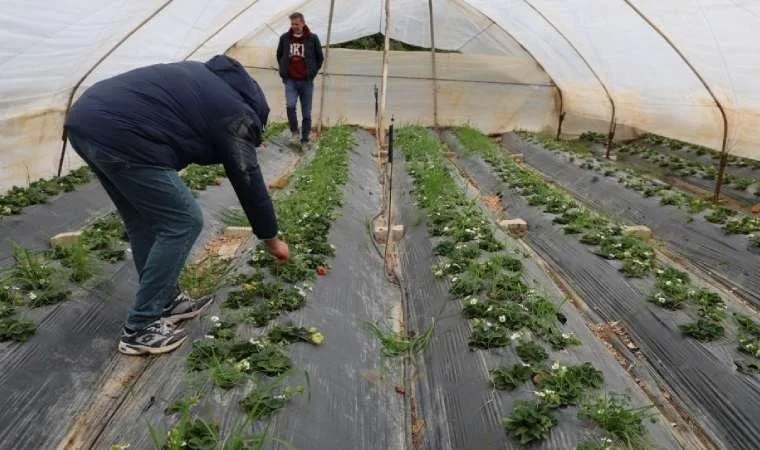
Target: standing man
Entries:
(299, 55)
(135, 131)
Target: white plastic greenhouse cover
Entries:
(666, 66)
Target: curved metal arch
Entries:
(95, 66)
(556, 86)
(266, 23)
(220, 29)
(613, 125)
(723, 152)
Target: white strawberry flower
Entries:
(502, 318)
(214, 318)
(474, 301)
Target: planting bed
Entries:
(729, 258)
(701, 379)
(349, 397)
(518, 318)
(457, 336)
(70, 366)
(696, 165)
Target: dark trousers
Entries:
(302, 90)
(162, 219)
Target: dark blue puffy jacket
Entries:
(171, 115)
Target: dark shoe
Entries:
(158, 337)
(184, 307)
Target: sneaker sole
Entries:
(134, 350)
(176, 318)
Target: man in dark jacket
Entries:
(299, 55)
(135, 131)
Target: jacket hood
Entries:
(233, 73)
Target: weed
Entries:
(273, 129)
(395, 344)
(14, 328)
(603, 443)
(261, 403)
(509, 378)
(754, 240)
(78, 258)
(235, 217)
(614, 414)
(290, 333)
(206, 276)
(36, 279)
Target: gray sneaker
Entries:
(295, 138)
(184, 307)
(158, 337)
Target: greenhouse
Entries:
(518, 224)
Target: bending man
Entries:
(136, 131)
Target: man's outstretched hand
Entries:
(279, 250)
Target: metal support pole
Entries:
(324, 70)
(435, 68)
(384, 79)
(723, 150)
(64, 136)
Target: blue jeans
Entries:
(299, 90)
(162, 219)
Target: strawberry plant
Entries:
(509, 378)
(530, 421)
(703, 330)
(17, 198)
(566, 384)
(749, 335)
(198, 177)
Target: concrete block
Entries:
(639, 231)
(515, 227)
(756, 209)
(238, 232)
(65, 239)
(381, 233)
(397, 232)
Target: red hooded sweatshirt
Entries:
(297, 68)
